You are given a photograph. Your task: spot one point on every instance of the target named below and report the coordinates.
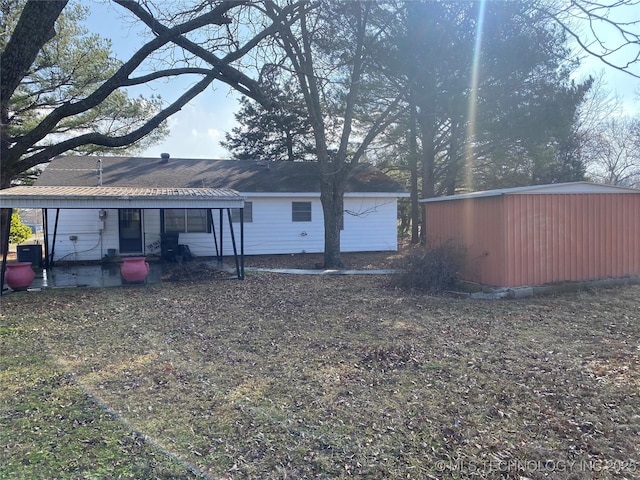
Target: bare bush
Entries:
(431, 269)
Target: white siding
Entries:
(96, 236)
(110, 234)
(273, 231)
(86, 226)
(370, 224)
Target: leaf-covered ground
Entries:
(286, 376)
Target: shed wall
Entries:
(476, 226)
(571, 237)
(535, 239)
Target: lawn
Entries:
(293, 377)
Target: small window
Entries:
(186, 221)
(301, 211)
(248, 213)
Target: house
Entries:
(282, 211)
(538, 235)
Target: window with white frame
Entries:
(248, 213)
(301, 211)
(180, 220)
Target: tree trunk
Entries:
(413, 166)
(428, 161)
(428, 164)
(453, 164)
(5, 224)
(289, 142)
(332, 197)
(5, 216)
(35, 27)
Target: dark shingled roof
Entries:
(241, 175)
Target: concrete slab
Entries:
(98, 276)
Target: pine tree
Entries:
(279, 133)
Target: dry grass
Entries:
(336, 377)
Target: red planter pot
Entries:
(19, 275)
(134, 269)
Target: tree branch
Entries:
(589, 11)
(106, 141)
(120, 78)
(226, 73)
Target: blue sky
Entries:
(197, 129)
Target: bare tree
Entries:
(331, 49)
(613, 152)
(33, 133)
(606, 29)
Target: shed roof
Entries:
(242, 175)
(118, 197)
(553, 188)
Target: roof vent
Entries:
(165, 157)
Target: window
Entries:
(186, 221)
(301, 211)
(248, 213)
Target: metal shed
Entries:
(542, 234)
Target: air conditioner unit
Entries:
(30, 253)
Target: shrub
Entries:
(19, 231)
(431, 270)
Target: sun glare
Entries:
(473, 97)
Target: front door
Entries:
(130, 223)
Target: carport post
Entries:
(45, 226)
(221, 253)
(5, 248)
(215, 237)
(242, 242)
(55, 235)
(235, 249)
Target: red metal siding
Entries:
(476, 225)
(571, 237)
(516, 240)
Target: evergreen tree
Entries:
(490, 100)
(279, 133)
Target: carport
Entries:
(58, 198)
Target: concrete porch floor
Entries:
(101, 275)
